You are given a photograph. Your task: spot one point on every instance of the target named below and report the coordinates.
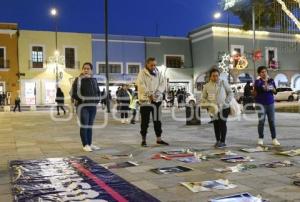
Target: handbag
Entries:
(235, 108)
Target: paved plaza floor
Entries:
(37, 135)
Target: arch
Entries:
(295, 82)
(281, 80)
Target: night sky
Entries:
(126, 17)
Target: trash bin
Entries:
(192, 113)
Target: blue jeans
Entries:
(87, 116)
(266, 110)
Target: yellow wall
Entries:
(11, 45)
(82, 43)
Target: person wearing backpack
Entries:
(264, 90)
(86, 95)
(216, 96)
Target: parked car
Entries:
(286, 94)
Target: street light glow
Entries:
(56, 53)
(53, 12)
(217, 15)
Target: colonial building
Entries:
(9, 66)
(278, 51)
(43, 66)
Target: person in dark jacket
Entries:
(17, 104)
(265, 89)
(124, 97)
(86, 95)
(60, 100)
(248, 99)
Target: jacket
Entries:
(60, 97)
(150, 85)
(124, 96)
(265, 95)
(219, 94)
(85, 90)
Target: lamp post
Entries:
(106, 54)
(218, 15)
(54, 14)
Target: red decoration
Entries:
(257, 55)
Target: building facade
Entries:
(9, 66)
(278, 51)
(44, 67)
(127, 55)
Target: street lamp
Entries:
(218, 15)
(54, 14)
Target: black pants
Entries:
(220, 125)
(124, 109)
(133, 115)
(17, 105)
(62, 108)
(145, 111)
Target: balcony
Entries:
(4, 65)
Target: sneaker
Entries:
(123, 121)
(127, 121)
(216, 144)
(221, 145)
(275, 142)
(87, 148)
(132, 121)
(94, 147)
(161, 142)
(260, 141)
(144, 144)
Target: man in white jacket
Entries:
(151, 86)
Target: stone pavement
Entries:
(34, 135)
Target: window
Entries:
(271, 58)
(133, 68)
(70, 58)
(174, 61)
(2, 58)
(114, 68)
(37, 56)
(237, 49)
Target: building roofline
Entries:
(210, 25)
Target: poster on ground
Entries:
(70, 179)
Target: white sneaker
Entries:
(94, 147)
(127, 121)
(87, 148)
(260, 142)
(275, 142)
(123, 121)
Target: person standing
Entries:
(264, 90)
(151, 85)
(103, 99)
(60, 100)
(247, 99)
(124, 97)
(134, 105)
(217, 95)
(86, 94)
(17, 104)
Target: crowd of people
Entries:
(147, 97)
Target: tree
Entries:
(266, 12)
